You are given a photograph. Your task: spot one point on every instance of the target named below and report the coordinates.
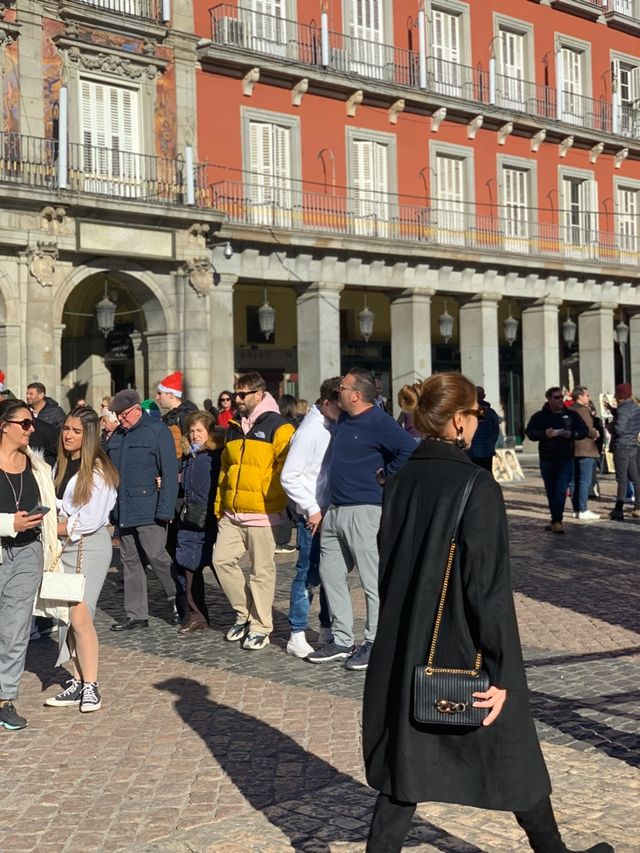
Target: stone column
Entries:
(31, 70)
(196, 359)
(37, 273)
(633, 371)
(139, 363)
(596, 342)
(318, 316)
(410, 337)
(162, 357)
(12, 365)
(479, 357)
(540, 353)
(221, 344)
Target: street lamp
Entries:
(569, 330)
(445, 324)
(510, 326)
(622, 337)
(105, 312)
(266, 317)
(365, 321)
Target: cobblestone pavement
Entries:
(203, 747)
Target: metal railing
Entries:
(94, 170)
(457, 81)
(630, 8)
(150, 10)
(349, 213)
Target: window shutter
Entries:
(515, 196)
(445, 41)
(270, 163)
(572, 68)
(366, 20)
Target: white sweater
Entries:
(304, 476)
(86, 519)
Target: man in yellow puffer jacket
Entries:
(249, 504)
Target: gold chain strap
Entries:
(79, 557)
(443, 594)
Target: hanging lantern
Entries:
(266, 318)
(569, 331)
(510, 326)
(622, 333)
(445, 324)
(105, 313)
(365, 320)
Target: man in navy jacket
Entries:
(143, 451)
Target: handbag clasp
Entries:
(446, 706)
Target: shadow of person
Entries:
(307, 799)
(41, 661)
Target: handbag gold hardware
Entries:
(446, 706)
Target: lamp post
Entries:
(569, 330)
(445, 324)
(622, 338)
(365, 321)
(266, 317)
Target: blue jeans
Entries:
(556, 474)
(582, 477)
(307, 577)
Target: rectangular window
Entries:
(270, 180)
(109, 131)
(370, 178)
(366, 37)
(451, 198)
(627, 209)
(511, 84)
(579, 214)
(445, 53)
(574, 107)
(627, 77)
(268, 27)
(516, 208)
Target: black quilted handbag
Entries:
(441, 695)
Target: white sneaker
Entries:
(325, 635)
(587, 515)
(298, 645)
(575, 514)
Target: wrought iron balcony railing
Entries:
(93, 170)
(288, 205)
(150, 10)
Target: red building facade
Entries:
(472, 160)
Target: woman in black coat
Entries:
(498, 765)
(197, 526)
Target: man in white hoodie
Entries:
(304, 479)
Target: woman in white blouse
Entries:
(86, 482)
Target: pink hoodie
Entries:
(257, 519)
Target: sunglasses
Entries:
(478, 413)
(225, 399)
(26, 424)
(242, 394)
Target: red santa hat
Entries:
(1, 381)
(172, 384)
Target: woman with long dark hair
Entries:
(28, 544)
(495, 765)
(225, 408)
(86, 481)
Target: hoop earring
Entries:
(459, 440)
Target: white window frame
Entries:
(456, 81)
(366, 57)
(578, 239)
(627, 123)
(573, 108)
(519, 232)
(627, 244)
(373, 216)
(453, 223)
(268, 213)
(518, 96)
(278, 43)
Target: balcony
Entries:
(622, 14)
(456, 225)
(32, 163)
(150, 10)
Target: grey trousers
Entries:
(348, 538)
(20, 575)
(139, 547)
(627, 465)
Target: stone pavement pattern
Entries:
(203, 747)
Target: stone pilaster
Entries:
(410, 337)
(540, 353)
(596, 342)
(318, 315)
(221, 342)
(479, 356)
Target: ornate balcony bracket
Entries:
(505, 131)
(197, 234)
(537, 139)
(298, 91)
(474, 126)
(249, 81)
(395, 109)
(52, 219)
(437, 118)
(620, 157)
(595, 152)
(565, 145)
(353, 102)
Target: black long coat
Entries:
(495, 767)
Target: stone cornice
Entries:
(121, 63)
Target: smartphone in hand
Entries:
(39, 510)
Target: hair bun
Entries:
(408, 398)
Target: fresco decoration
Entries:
(52, 70)
(165, 113)
(113, 40)
(10, 90)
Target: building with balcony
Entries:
(449, 166)
(105, 216)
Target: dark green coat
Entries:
(495, 767)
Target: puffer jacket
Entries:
(252, 464)
(176, 420)
(626, 424)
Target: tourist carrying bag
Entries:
(442, 695)
(60, 586)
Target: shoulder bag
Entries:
(441, 695)
(61, 586)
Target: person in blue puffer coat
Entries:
(197, 525)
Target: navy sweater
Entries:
(363, 444)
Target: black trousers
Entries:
(392, 819)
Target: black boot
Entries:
(539, 823)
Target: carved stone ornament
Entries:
(5, 38)
(52, 218)
(111, 64)
(200, 272)
(42, 264)
(197, 234)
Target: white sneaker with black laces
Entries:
(90, 699)
(69, 696)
